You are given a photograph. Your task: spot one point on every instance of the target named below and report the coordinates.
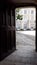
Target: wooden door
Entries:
(7, 32)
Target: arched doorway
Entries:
(27, 5)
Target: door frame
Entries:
(22, 5)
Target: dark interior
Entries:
(7, 24)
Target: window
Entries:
(25, 11)
(32, 11)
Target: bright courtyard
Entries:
(25, 38)
(33, 33)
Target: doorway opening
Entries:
(25, 20)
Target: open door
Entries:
(7, 32)
(7, 29)
(21, 5)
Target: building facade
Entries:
(29, 19)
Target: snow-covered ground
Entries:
(33, 33)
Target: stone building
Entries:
(29, 19)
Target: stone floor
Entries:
(25, 52)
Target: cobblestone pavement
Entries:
(25, 52)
